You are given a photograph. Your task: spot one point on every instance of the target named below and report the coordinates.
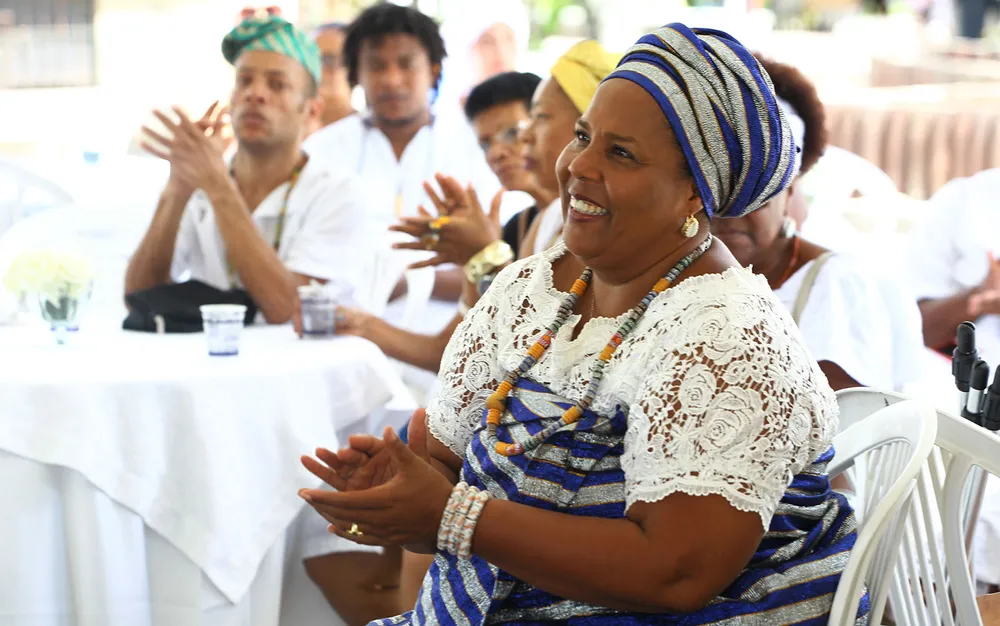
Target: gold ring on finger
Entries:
(355, 531)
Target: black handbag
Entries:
(175, 307)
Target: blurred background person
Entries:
(953, 263)
(334, 88)
(483, 38)
(838, 304)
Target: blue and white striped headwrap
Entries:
(721, 106)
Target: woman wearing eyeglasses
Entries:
(474, 240)
(334, 87)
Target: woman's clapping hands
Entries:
(388, 493)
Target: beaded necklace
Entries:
(496, 404)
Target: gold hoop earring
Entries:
(690, 227)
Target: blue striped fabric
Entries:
(721, 106)
(790, 580)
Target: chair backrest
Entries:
(23, 193)
(419, 288)
(931, 583)
(895, 442)
(388, 266)
(106, 237)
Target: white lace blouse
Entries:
(721, 393)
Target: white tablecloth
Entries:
(204, 450)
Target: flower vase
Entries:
(62, 312)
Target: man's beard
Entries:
(263, 146)
(399, 122)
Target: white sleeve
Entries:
(187, 239)
(333, 237)
(481, 177)
(934, 247)
(846, 322)
(731, 405)
(470, 369)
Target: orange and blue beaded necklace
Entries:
(496, 404)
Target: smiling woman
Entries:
(622, 416)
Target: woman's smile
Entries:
(585, 210)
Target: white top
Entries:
(325, 234)
(204, 449)
(550, 226)
(948, 250)
(871, 331)
(754, 408)
(352, 144)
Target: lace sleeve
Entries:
(731, 405)
(469, 371)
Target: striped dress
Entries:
(790, 579)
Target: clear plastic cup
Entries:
(319, 311)
(223, 327)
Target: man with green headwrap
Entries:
(269, 220)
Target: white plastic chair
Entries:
(931, 586)
(24, 193)
(386, 268)
(895, 443)
(419, 289)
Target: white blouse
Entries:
(870, 330)
(722, 395)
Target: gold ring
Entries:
(355, 531)
(430, 240)
(439, 223)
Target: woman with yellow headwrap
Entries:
(466, 237)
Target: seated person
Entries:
(954, 271)
(630, 429)
(334, 88)
(395, 54)
(838, 304)
(271, 219)
(554, 109)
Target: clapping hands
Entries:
(194, 148)
(461, 228)
(388, 493)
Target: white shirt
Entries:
(868, 328)
(549, 226)
(325, 234)
(752, 406)
(948, 250)
(450, 148)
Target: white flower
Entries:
(49, 273)
(732, 418)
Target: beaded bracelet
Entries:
(458, 524)
(469, 525)
(455, 531)
(448, 519)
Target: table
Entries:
(153, 484)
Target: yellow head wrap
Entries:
(582, 69)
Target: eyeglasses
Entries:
(331, 62)
(505, 137)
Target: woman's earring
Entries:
(690, 227)
(788, 228)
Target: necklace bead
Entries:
(496, 403)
